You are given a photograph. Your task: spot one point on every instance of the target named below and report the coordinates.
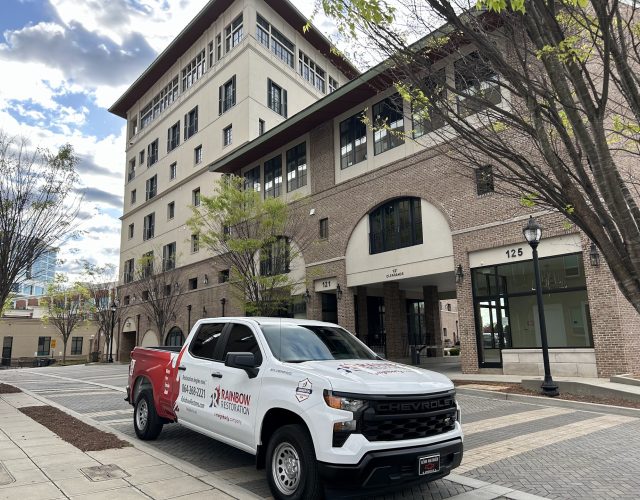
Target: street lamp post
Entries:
(114, 307)
(189, 317)
(533, 233)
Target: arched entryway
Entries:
(175, 337)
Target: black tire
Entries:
(291, 446)
(146, 421)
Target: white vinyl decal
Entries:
(303, 391)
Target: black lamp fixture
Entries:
(533, 234)
(189, 317)
(459, 274)
(307, 295)
(206, 279)
(223, 301)
(594, 255)
(114, 308)
(338, 292)
(204, 312)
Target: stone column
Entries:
(346, 311)
(395, 323)
(432, 320)
(363, 321)
(314, 306)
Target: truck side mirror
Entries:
(243, 360)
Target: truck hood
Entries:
(376, 377)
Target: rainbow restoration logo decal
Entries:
(303, 391)
(238, 402)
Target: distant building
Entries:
(33, 282)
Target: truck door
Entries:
(235, 400)
(202, 359)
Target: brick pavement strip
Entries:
(508, 420)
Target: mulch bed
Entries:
(518, 389)
(8, 389)
(72, 430)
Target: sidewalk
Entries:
(36, 463)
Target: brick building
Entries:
(401, 227)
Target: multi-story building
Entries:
(34, 281)
(400, 228)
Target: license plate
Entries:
(428, 464)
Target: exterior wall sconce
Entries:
(204, 312)
(206, 280)
(338, 292)
(307, 295)
(459, 274)
(223, 301)
(594, 255)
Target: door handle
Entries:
(216, 375)
(182, 368)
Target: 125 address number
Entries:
(512, 253)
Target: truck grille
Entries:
(392, 419)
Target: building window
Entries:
(173, 170)
(161, 101)
(171, 210)
(197, 154)
(148, 230)
(233, 34)
(131, 229)
(484, 180)
(210, 47)
(333, 84)
(218, 47)
(128, 271)
(388, 124)
(261, 126)
(44, 346)
(76, 345)
(195, 197)
(252, 179)
(151, 187)
(193, 283)
(152, 153)
(173, 136)
(227, 135)
(353, 140)
(475, 78)
(131, 173)
(280, 45)
(194, 70)
(311, 72)
(273, 177)
(169, 256)
(274, 258)
(324, 228)
(396, 224)
(297, 167)
(133, 196)
(195, 243)
(424, 119)
(141, 158)
(145, 295)
(147, 267)
(127, 300)
(191, 123)
(133, 127)
(223, 276)
(227, 95)
(175, 337)
(276, 98)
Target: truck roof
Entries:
(275, 321)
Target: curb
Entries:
(546, 401)
(186, 467)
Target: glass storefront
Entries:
(506, 310)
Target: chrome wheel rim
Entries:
(142, 414)
(285, 468)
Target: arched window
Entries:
(395, 224)
(174, 337)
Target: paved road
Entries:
(545, 451)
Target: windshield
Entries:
(298, 343)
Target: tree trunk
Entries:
(64, 350)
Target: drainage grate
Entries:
(104, 472)
(5, 476)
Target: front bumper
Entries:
(389, 468)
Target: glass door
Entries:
(492, 317)
(7, 345)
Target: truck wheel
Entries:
(146, 421)
(291, 465)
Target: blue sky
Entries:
(64, 62)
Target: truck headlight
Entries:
(341, 403)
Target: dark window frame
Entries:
(484, 180)
(387, 229)
(296, 159)
(353, 140)
(273, 175)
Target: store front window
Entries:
(507, 313)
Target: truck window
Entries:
(241, 339)
(205, 341)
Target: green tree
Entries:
(38, 205)
(257, 239)
(101, 282)
(68, 306)
(550, 97)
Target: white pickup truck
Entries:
(314, 404)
